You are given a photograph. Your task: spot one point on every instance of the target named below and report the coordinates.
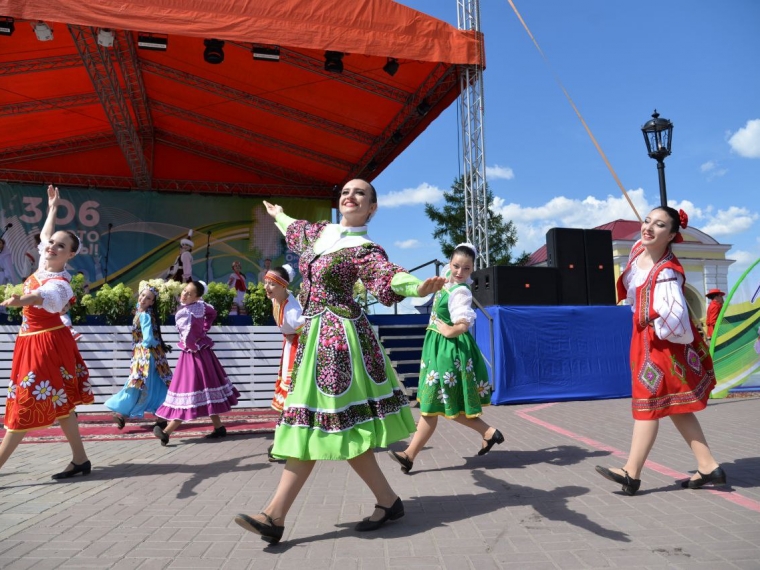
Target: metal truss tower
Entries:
(473, 138)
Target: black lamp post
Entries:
(658, 134)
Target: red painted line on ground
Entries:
(731, 496)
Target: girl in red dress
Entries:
(48, 376)
(671, 366)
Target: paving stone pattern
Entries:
(534, 502)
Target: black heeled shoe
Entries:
(159, 433)
(120, 422)
(717, 477)
(392, 513)
(403, 460)
(161, 423)
(218, 433)
(83, 468)
(630, 485)
(269, 531)
(497, 437)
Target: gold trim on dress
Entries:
(42, 331)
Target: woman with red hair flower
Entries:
(671, 366)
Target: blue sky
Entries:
(696, 61)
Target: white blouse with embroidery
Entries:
(668, 301)
(460, 305)
(55, 292)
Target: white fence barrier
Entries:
(250, 355)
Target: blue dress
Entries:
(146, 387)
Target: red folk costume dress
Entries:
(670, 364)
(48, 376)
(289, 317)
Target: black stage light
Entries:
(423, 108)
(266, 53)
(213, 52)
(147, 41)
(391, 66)
(6, 26)
(397, 137)
(334, 61)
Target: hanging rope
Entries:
(577, 112)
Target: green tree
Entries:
(450, 227)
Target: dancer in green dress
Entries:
(453, 376)
(344, 398)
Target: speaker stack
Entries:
(584, 261)
(513, 285)
(579, 272)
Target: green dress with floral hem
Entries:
(453, 374)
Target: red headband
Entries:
(274, 276)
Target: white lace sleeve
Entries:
(55, 294)
(460, 306)
(673, 324)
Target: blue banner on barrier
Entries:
(550, 354)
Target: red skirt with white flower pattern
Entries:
(48, 378)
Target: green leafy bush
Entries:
(78, 311)
(256, 304)
(14, 313)
(115, 304)
(220, 297)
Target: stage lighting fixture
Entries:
(43, 32)
(423, 108)
(213, 53)
(391, 66)
(334, 61)
(372, 166)
(6, 26)
(148, 41)
(266, 53)
(397, 137)
(105, 37)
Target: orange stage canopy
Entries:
(75, 112)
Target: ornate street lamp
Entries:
(658, 134)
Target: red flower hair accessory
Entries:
(683, 218)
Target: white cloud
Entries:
(497, 172)
(532, 223)
(711, 169)
(728, 222)
(407, 244)
(423, 194)
(746, 141)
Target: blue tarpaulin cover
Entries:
(549, 354)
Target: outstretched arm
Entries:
(54, 199)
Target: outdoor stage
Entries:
(557, 353)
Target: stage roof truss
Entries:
(244, 127)
(97, 62)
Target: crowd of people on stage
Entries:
(337, 394)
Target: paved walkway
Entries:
(534, 502)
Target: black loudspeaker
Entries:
(513, 285)
(600, 272)
(566, 251)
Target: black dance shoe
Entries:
(403, 460)
(497, 437)
(161, 423)
(218, 433)
(120, 422)
(630, 485)
(83, 468)
(717, 477)
(269, 531)
(392, 513)
(159, 433)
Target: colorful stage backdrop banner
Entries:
(132, 235)
(735, 345)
